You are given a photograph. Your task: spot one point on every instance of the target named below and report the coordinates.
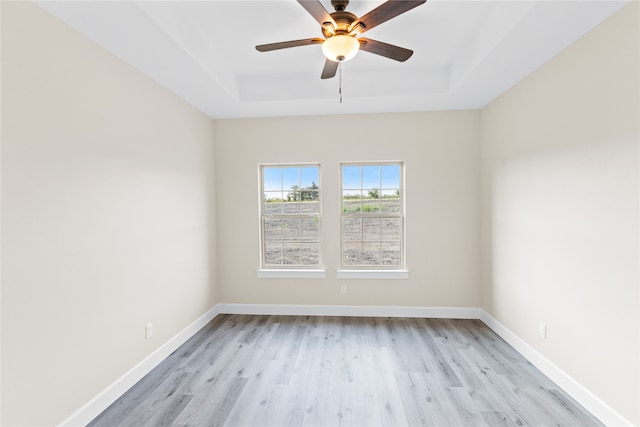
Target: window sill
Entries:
(373, 274)
(291, 274)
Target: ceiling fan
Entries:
(341, 30)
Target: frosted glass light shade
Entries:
(340, 48)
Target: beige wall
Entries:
(560, 210)
(107, 217)
(108, 220)
(441, 155)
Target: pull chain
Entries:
(340, 77)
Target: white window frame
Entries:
(374, 271)
(289, 270)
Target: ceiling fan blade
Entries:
(384, 49)
(317, 10)
(329, 70)
(385, 12)
(291, 43)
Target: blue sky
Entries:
(354, 177)
(368, 177)
(283, 178)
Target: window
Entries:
(372, 218)
(290, 218)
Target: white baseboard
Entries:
(95, 406)
(590, 401)
(351, 311)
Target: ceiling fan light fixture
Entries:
(340, 48)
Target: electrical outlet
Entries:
(148, 330)
(542, 330)
(343, 288)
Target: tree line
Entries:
(298, 194)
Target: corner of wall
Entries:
(560, 202)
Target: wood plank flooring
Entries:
(242, 370)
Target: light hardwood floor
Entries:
(344, 371)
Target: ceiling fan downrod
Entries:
(339, 5)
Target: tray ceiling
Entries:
(466, 53)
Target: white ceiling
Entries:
(466, 53)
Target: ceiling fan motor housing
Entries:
(343, 20)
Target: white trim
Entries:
(373, 274)
(586, 398)
(351, 310)
(283, 273)
(95, 406)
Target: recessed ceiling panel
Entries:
(466, 53)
